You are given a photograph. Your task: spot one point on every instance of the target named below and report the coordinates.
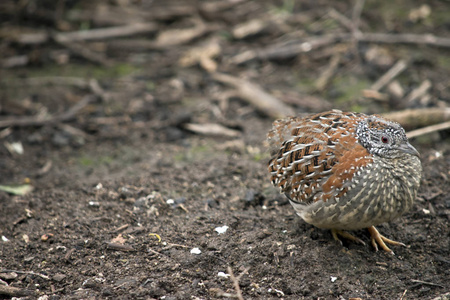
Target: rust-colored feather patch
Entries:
(316, 157)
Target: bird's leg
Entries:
(376, 237)
(345, 234)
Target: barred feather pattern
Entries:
(338, 172)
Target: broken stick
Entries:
(256, 96)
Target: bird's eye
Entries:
(384, 140)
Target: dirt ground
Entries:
(128, 198)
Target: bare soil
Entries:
(125, 193)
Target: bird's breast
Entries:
(377, 193)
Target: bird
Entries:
(345, 171)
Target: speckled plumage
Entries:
(344, 171)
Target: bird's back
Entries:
(316, 155)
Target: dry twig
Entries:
(120, 228)
(117, 15)
(389, 75)
(105, 33)
(14, 291)
(415, 118)
(428, 129)
(219, 293)
(252, 27)
(45, 168)
(341, 19)
(47, 80)
(442, 297)
(418, 92)
(293, 48)
(256, 96)
(25, 272)
(211, 129)
(85, 35)
(427, 283)
(235, 281)
(218, 6)
(84, 52)
(283, 51)
(326, 76)
(356, 16)
(375, 95)
(403, 295)
(75, 131)
(156, 252)
(15, 61)
(204, 55)
(35, 121)
(396, 89)
(406, 38)
(165, 39)
(119, 247)
(175, 37)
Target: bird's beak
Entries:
(408, 148)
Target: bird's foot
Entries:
(377, 238)
(345, 234)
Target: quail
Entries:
(345, 171)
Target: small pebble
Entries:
(196, 251)
(221, 229)
(222, 274)
(250, 195)
(59, 277)
(212, 203)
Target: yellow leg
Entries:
(376, 237)
(345, 234)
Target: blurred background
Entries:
(77, 71)
(108, 101)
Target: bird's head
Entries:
(384, 138)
